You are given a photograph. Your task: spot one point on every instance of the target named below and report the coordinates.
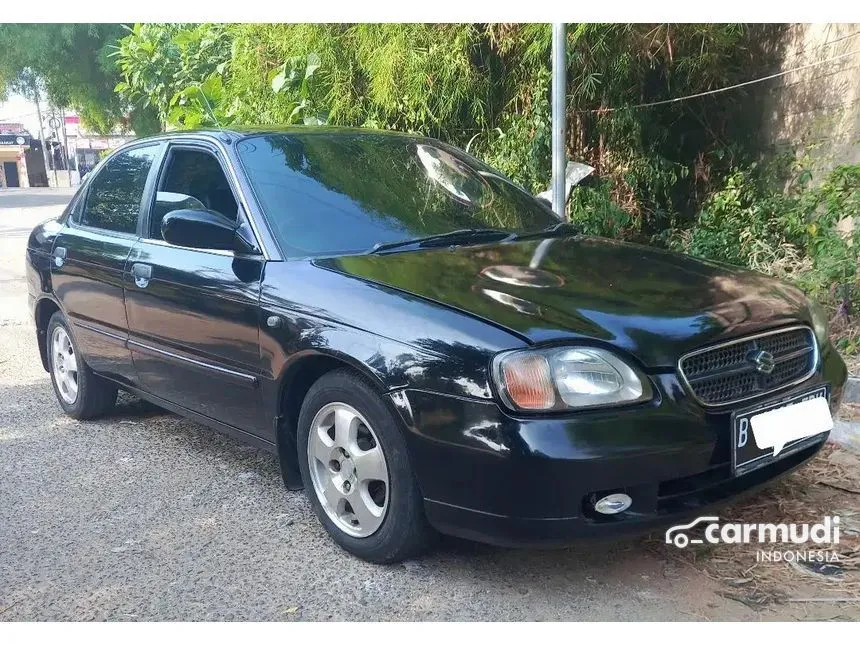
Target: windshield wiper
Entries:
(562, 228)
(459, 236)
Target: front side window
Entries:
(193, 179)
(115, 193)
(334, 194)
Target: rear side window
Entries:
(115, 193)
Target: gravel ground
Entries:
(146, 516)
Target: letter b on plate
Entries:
(743, 432)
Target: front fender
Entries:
(398, 340)
(313, 320)
(389, 364)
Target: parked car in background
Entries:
(425, 346)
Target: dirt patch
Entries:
(829, 485)
(850, 411)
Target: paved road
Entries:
(145, 516)
(20, 210)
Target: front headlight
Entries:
(566, 378)
(819, 322)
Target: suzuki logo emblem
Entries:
(763, 361)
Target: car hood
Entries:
(655, 304)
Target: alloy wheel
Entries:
(348, 469)
(65, 365)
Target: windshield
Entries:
(336, 194)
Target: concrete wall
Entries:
(817, 108)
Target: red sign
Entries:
(11, 128)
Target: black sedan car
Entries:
(424, 345)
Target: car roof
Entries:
(241, 132)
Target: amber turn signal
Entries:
(528, 382)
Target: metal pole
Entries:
(559, 95)
(66, 145)
(41, 133)
(54, 133)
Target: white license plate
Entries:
(767, 433)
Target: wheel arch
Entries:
(45, 308)
(296, 379)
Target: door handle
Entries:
(142, 274)
(59, 256)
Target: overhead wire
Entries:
(637, 106)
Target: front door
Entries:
(193, 314)
(90, 255)
(10, 169)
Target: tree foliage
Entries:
(175, 69)
(71, 63)
(412, 77)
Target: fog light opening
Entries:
(613, 504)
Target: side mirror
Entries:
(204, 229)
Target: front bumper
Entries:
(530, 480)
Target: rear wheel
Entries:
(80, 393)
(356, 470)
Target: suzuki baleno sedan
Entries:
(424, 346)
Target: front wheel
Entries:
(356, 470)
(81, 394)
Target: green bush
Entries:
(595, 212)
(802, 233)
(739, 217)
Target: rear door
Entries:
(90, 255)
(194, 313)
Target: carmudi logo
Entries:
(826, 532)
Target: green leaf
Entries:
(313, 63)
(301, 106)
(292, 70)
(212, 88)
(278, 81)
(175, 115)
(192, 121)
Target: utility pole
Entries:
(35, 88)
(66, 145)
(559, 157)
(559, 101)
(52, 116)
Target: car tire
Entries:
(401, 530)
(81, 393)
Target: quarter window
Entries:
(115, 193)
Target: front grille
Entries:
(727, 373)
